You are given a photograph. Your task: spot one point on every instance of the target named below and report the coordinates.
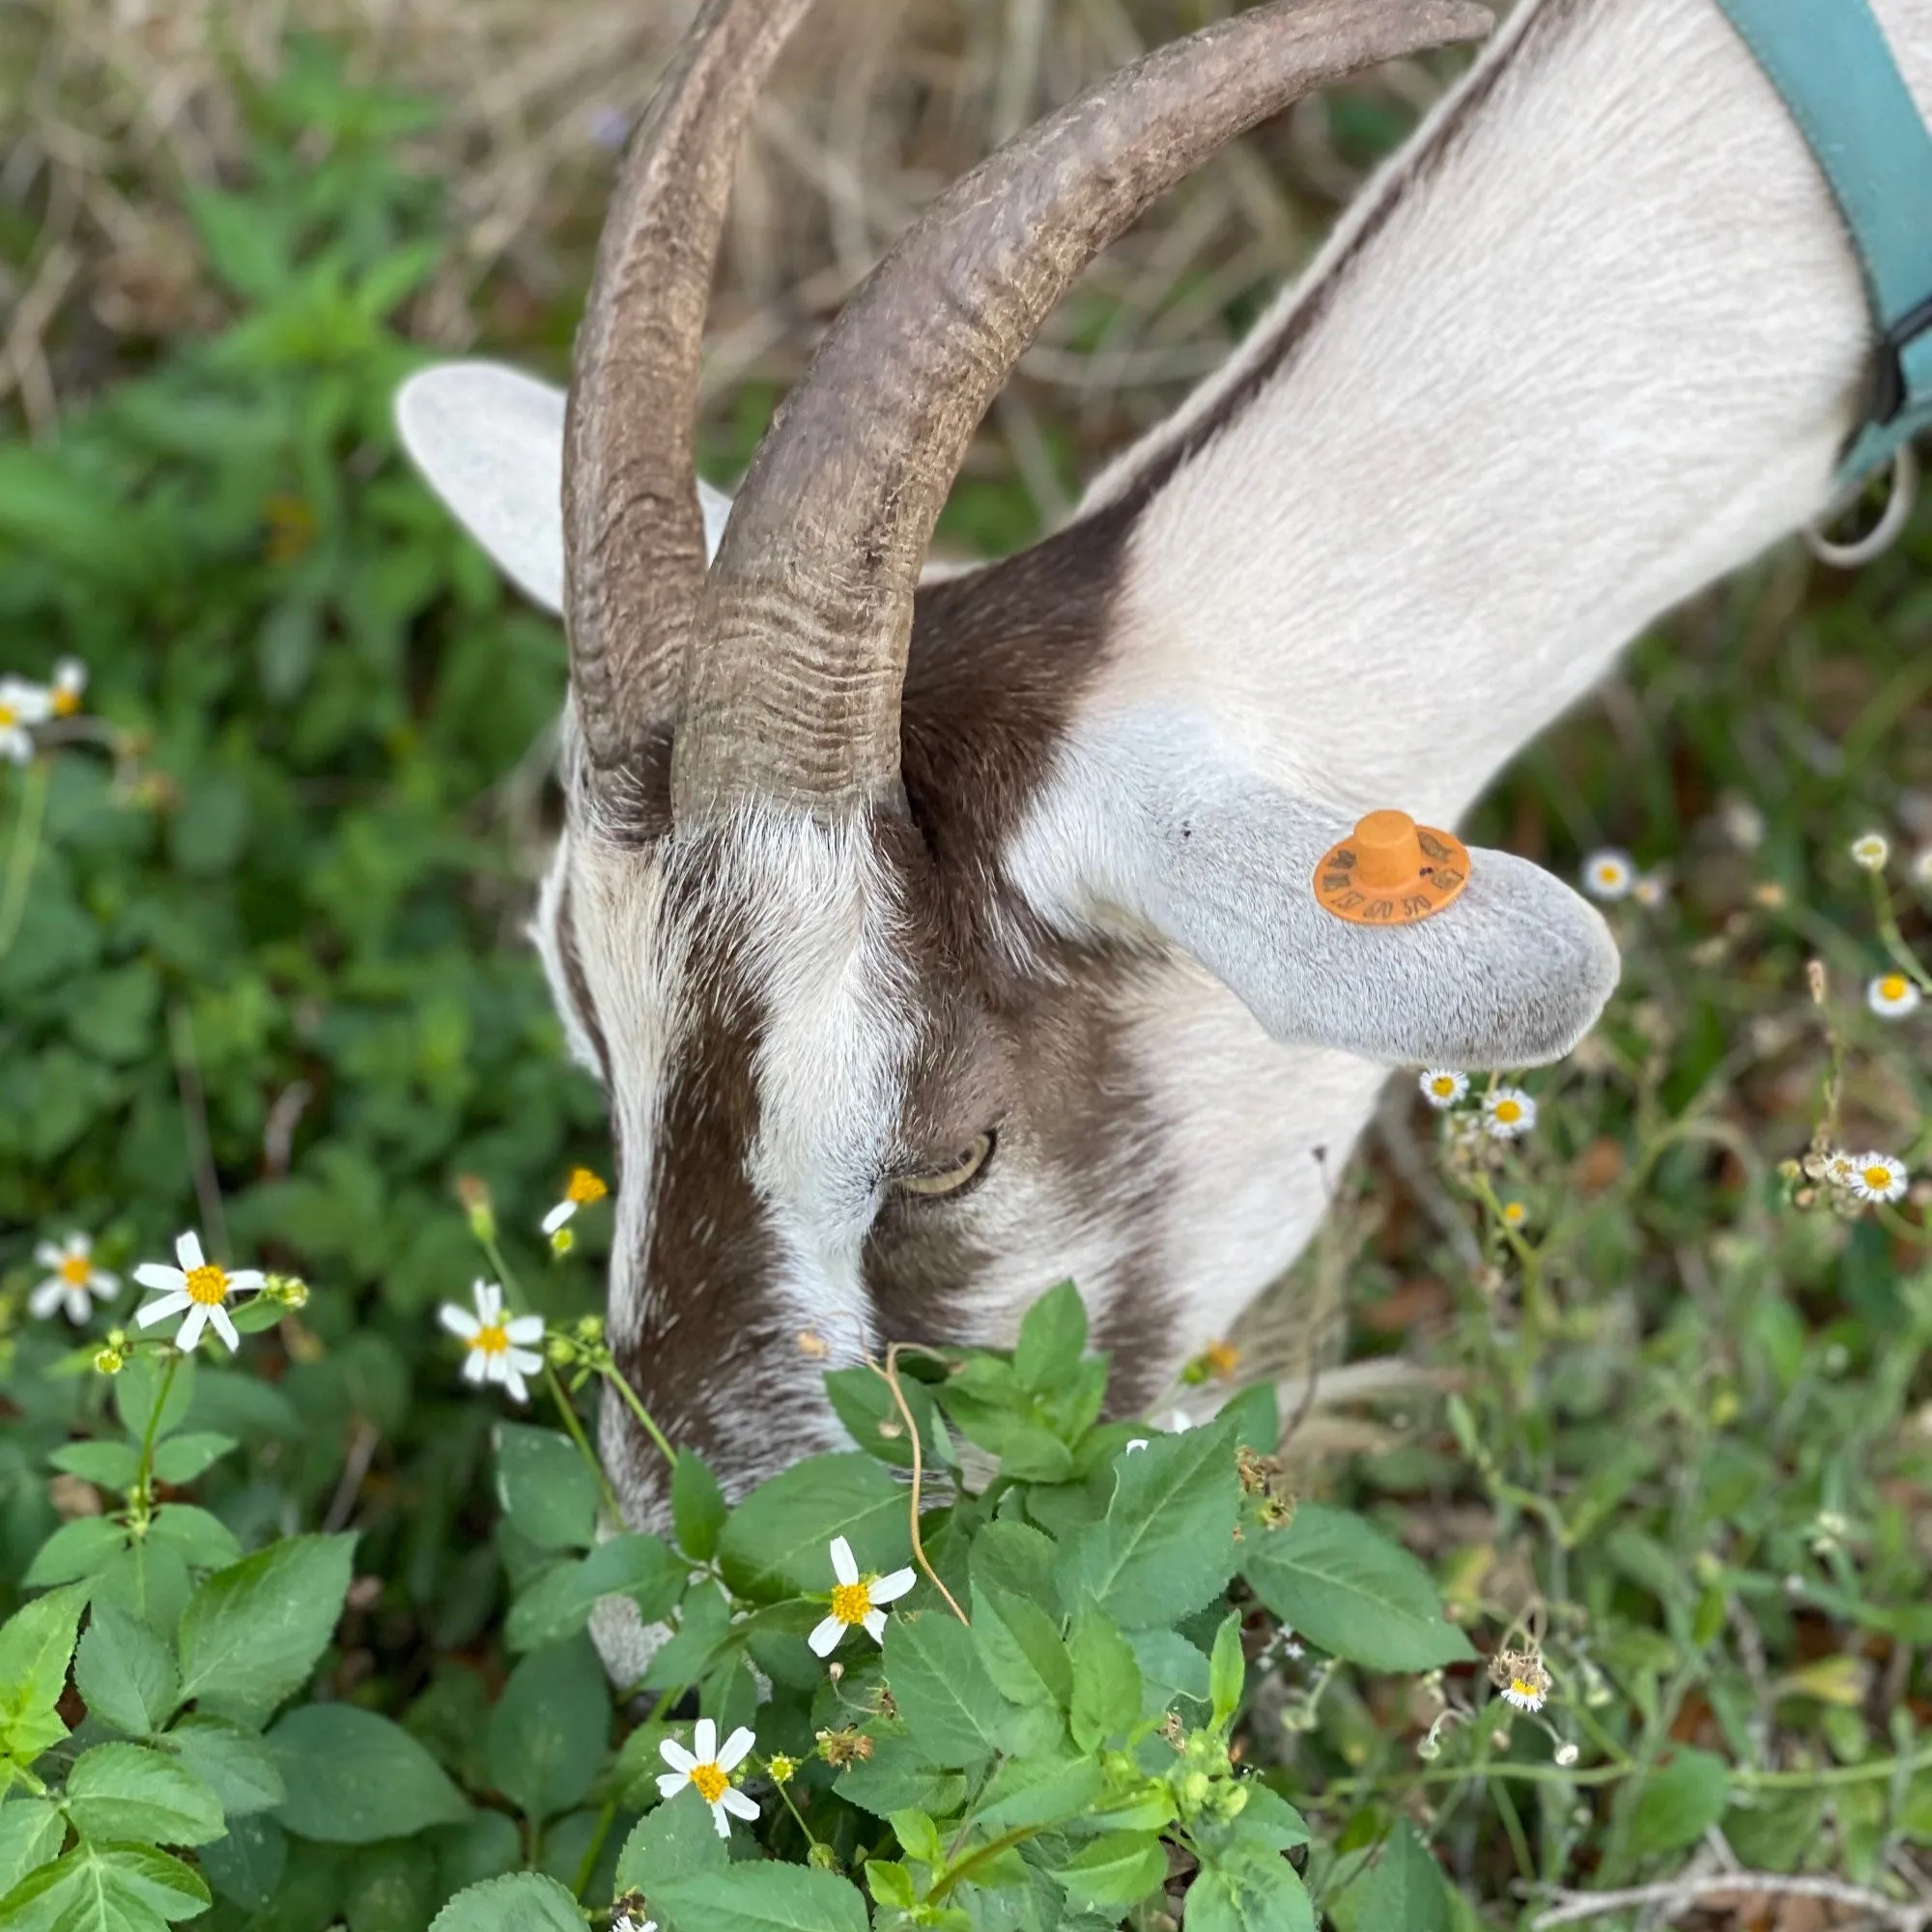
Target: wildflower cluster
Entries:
(1611, 874)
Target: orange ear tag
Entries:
(1391, 871)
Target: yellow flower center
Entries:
(207, 1285)
(1509, 1112)
(1443, 1085)
(75, 1269)
(784, 1769)
(852, 1602)
(1523, 1688)
(491, 1340)
(583, 1187)
(1223, 1358)
(65, 701)
(1514, 1213)
(1878, 1177)
(8, 715)
(1891, 986)
(711, 1782)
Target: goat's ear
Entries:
(489, 441)
(1513, 973)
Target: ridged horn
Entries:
(634, 540)
(792, 688)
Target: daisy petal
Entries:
(159, 1311)
(104, 1283)
(225, 1328)
(875, 1626)
(672, 1782)
(738, 1804)
(558, 1216)
(191, 1326)
(889, 1589)
(824, 1641)
(49, 1255)
(244, 1280)
(156, 1274)
(475, 1368)
(78, 1308)
(46, 1298)
(843, 1564)
(523, 1362)
(719, 1819)
(488, 1300)
(459, 1321)
(736, 1746)
(514, 1384)
(524, 1328)
(676, 1757)
(188, 1251)
(704, 1741)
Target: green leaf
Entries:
(522, 1902)
(900, 1777)
(182, 1458)
(1346, 1587)
(1679, 1802)
(203, 1542)
(32, 1832)
(950, 1710)
(696, 1506)
(252, 1633)
(246, 1866)
(245, 250)
(1024, 1652)
(350, 1777)
(150, 1580)
(550, 1734)
(862, 1402)
(642, 1568)
(671, 1842)
(1172, 1670)
(127, 1791)
(762, 1897)
(1249, 1894)
(77, 1550)
(1053, 1337)
(144, 1387)
(1106, 1682)
(1227, 1670)
(779, 1540)
(1406, 1891)
(1120, 1868)
(1036, 1792)
(124, 1672)
(235, 1764)
(106, 1888)
(1166, 1545)
(545, 1487)
(36, 1643)
(114, 1465)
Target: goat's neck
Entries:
(1596, 339)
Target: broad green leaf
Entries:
(235, 1764)
(203, 1542)
(106, 1888)
(1018, 1561)
(1166, 1545)
(350, 1777)
(1228, 1671)
(75, 1550)
(862, 1402)
(522, 1902)
(900, 1776)
(252, 1633)
(779, 1540)
(545, 1487)
(147, 1396)
(550, 1734)
(1345, 1586)
(642, 1568)
(127, 1791)
(673, 1840)
(1406, 1891)
(1106, 1682)
(1256, 1896)
(762, 1897)
(1039, 1792)
(950, 1710)
(696, 1506)
(1679, 1802)
(393, 1888)
(148, 1579)
(36, 1643)
(1116, 1870)
(182, 1458)
(124, 1672)
(704, 1625)
(246, 1866)
(1024, 1653)
(114, 1465)
(1052, 1339)
(32, 1832)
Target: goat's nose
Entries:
(1391, 871)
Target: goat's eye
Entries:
(954, 1176)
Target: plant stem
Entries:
(587, 1865)
(890, 1375)
(616, 1378)
(1908, 960)
(26, 844)
(567, 1409)
(1005, 1842)
(140, 1499)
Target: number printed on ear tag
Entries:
(1391, 871)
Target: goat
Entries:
(937, 942)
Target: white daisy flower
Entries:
(1871, 850)
(1743, 823)
(1521, 1678)
(72, 1280)
(1651, 889)
(855, 1601)
(69, 683)
(1841, 1169)
(624, 1922)
(1608, 874)
(1879, 1178)
(1892, 995)
(499, 1350)
(1509, 1113)
(199, 1287)
(710, 1769)
(21, 705)
(578, 1191)
(1443, 1087)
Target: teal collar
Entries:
(1831, 63)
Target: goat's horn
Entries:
(793, 688)
(634, 540)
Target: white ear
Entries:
(489, 441)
